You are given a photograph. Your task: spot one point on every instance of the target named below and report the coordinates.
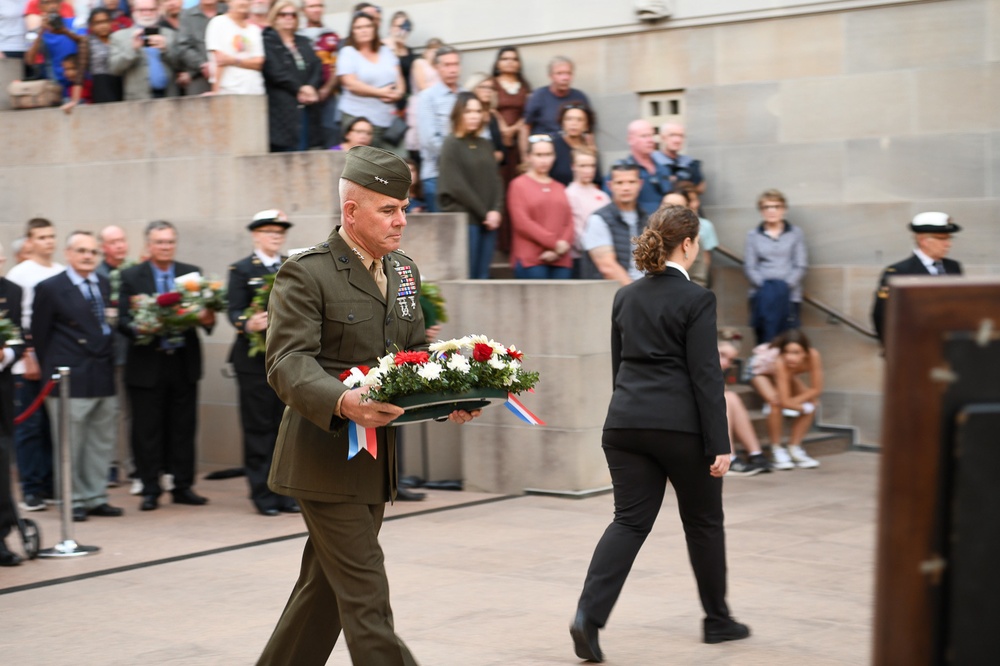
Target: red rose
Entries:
(482, 352)
(168, 299)
(416, 357)
(347, 373)
(344, 375)
(364, 369)
(514, 354)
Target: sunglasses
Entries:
(287, 14)
(539, 138)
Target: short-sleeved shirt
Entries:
(597, 235)
(541, 113)
(378, 74)
(12, 26)
(708, 238)
(225, 35)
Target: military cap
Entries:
(378, 170)
(933, 223)
(272, 216)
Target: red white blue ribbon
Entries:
(361, 439)
(521, 412)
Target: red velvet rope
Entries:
(33, 407)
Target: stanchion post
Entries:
(68, 547)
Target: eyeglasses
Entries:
(772, 206)
(85, 250)
(539, 138)
(287, 14)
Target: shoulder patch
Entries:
(300, 252)
(401, 253)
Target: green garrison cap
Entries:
(378, 170)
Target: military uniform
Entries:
(327, 315)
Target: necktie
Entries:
(165, 283)
(95, 303)
(379, 275)
(939, 267)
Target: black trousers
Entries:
(164, 423)
(641, 463)
(260, 416)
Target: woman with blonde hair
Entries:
(292, 75)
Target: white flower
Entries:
(446, 346)
(471, 341)
(514, 365)
(356, 378)
(429, 371)
(494, 362)
(386, 362)
(497, 347)
(459, 363)
(374, 377)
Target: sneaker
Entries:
(33, 503)
(739, 468)
(760, 460)
(782, 460)
(136, 488)
(802, 458)
(791, 413)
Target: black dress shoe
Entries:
(7, 558)
(404, 495)
(149, 503)
(106, 510)
(584, 633)
(268, 512)
(290, 508)
(733, 631)
(79, 514)
(188, 496)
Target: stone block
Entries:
(297, 182)
(957, 99)
(859, 292)
(671, 59)
(439, 243)
(851, 362)
(10, 69)
(220, 441)
(840, 107)
(805, 172)
(614, 113)
(852, 234)
(218, 382)
(44, 136)
(993, 171)
(443, 445)
(759, 50)
(219, 125)
(732, 114)
(918, 167)
(826, 284)
(866, 414)
(919, 35)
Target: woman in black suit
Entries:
(667, 420)
(292, 75)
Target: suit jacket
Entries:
(65, 332)
(10, 308)
(130, 63)
(665, 361)
(142, 368)
(909, 266)
(240, 295)
(325, 316)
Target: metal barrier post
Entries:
(67, 547)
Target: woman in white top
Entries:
(370, 78)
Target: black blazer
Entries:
(10, 307)
(65, 332)
(282, 80)
(909, 266)
(665, 360)
(240, 294)
(142, 368)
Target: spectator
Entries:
(776, 368)
(13, 42)
(292, 74)
(32, 437)
(933, 236)
(540, 217)
(69, 329)
(10, 294)
(162, 377)
(54, 44)
(775, 262)
(422, 76)
(609, 237)
(512, 91)
(170, 14)
(358, 133)
(470, 182)
(584, 198)
(105, 86)
(678, 167)
(260, 407)
(192, 57)
(740, 425)
(119, 20)
(144, 56)
(400, 27)
(259, 14)
(541, 114)
(325, 43)
(370, 78)
(37, 11)
(577, 123)
(19, 249)
(433, 111)
(655, 180)
(236, 48)
(685, 195)
(374, 11)
(479, 85)
(416, 194)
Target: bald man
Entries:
(679, 167)
(655, 178)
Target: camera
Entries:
(54, 21)
(147, 32)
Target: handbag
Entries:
(34, 94)
(395, 132)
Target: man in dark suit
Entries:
(162, 377)
(69, 329)
(340, 304)
(260, 407)
(10, 308)
(933, 233)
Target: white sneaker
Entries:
(780, 458)
(136, 488)
(802, 458)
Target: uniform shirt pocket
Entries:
(348, 325)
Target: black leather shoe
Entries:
(584, 633)
(290, 508)
(106, 510)
(79, 514)
(149, 503)
(405, 495)
(7, 558)
(268, 512)
(733, 631)
(188, 496)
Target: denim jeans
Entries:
(542, 272)
(430, 195)
(482, 242)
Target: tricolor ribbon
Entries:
(522, 412)
(361, 439)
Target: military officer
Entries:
(335, 306)
(932, 233)
(260, 407)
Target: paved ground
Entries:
(476, 580)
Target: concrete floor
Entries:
(476, 580)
